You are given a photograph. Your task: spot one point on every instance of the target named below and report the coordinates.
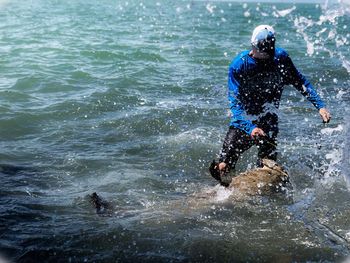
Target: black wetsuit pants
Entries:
(237, 141)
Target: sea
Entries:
(128, 99)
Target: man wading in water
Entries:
(256, 80)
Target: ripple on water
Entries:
(129, 100)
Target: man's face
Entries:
(260, 54)
(265, 49)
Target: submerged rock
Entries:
(270, 178)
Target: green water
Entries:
(128, 99)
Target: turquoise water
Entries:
(128, 99)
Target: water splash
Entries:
(210, 8)
(330, 131)
(346, 153)
(336, 162)
(283, 13)
(329, 36)
(222, 194)
(3, 3)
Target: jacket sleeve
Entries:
(237, 111)
(299, 81)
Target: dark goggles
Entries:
(266, 45)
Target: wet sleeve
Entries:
(237, 111)
(299, 81)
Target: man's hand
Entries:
(325, 115)
(257, 132)
(222, 166)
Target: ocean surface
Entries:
(128, 99)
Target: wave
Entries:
(328, 32)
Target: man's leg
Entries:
(267, 145)
(236, 142)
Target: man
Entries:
(256, 80)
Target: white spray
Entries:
(346, 152)
(326, 35)
(3, 3)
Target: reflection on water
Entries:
(128, 100)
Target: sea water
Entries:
(128, 99)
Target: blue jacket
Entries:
(255, 87)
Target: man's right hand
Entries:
(257, 132)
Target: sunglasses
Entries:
(266, 45)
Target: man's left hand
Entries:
(325, 115)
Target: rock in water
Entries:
(270, 178)
(101, 205)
